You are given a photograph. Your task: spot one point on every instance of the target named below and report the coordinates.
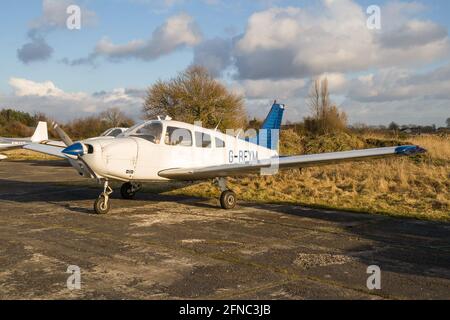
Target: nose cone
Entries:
(75, 150)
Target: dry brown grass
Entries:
(403, 187)
(22, 154)
(437, 147)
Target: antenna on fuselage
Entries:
(217, 127)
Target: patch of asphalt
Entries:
(166, 247)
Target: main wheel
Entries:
(101, 206)
(228, 200)
(126, 191)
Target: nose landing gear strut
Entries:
(102, 205)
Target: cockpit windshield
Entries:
(150, 131)
(113, 132)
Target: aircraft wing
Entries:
(52, 150)
(303, 161)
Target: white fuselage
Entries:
(139, 156)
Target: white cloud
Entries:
(23, 87)
(400, 84)
(177, 32)
(54, 16)
(372, 74)
(46, 97)
(294, 42)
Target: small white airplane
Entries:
(164, 149)
(40, 135)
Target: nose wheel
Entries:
(102, 204)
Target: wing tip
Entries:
(410, 150)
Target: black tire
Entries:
(126, 191)
(100, 206)
(228, 200)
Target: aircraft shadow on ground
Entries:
(398, 245)
(56, 192)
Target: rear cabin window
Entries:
(178, 137)
(220, 143)
(151, 132)
(202, 140)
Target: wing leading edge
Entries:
(303, 161)
(53, 150)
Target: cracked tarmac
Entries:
(172, 247)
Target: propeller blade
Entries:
(64, 137)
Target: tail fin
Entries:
(274, 118)
(269, 133)
(41, 133)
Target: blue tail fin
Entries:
(267, 137)
(274, 118)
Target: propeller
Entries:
(73, 150)
(64, 137)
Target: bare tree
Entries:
(314, 99)
(195, 96)
(114, 117)
(326, 117)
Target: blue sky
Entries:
(262, 49)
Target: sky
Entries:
(264, 50)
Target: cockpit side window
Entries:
(178, 137)
(220, 143)
(202, 140)
(151, 132)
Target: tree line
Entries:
(14, 123)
